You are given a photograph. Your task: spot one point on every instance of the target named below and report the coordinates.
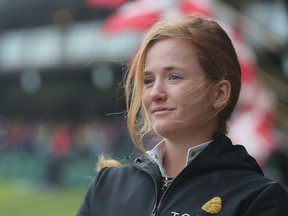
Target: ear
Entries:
(222, 94)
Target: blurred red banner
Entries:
(105, 3)
(140, 15)
(136, 15)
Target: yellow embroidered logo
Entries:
(213, 206)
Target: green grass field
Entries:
(24, 199)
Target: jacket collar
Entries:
(158, 152)
(218, 155)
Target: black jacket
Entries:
(223, 180)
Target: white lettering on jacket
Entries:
(178, 214)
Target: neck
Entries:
(176, 150)
(174, 160)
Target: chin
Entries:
(164, 130)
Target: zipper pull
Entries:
(154, 213)
(167, 181)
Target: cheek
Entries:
(186, 99)
(193, 95)
(194, 104)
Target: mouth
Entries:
(162, 109)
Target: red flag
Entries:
(198, 6)
(139, 15)
(105, 3)
(119, 22)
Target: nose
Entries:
(158, 92)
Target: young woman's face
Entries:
(174, 85)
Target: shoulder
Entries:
(106, 162)
(274, 189)
(110, 169)
(113, 172)
(139, 169)
(272, 195)
(119, 174)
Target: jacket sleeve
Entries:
(270, 202)
(85, 207)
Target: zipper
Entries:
(167, 182)
(154, 209)
(174, 181)
(166, 185)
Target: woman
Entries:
(182, 86)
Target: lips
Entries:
(161, 109)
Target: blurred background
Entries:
(61, 90)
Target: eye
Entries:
(148, 80)
(174, 77)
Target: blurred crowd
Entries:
(64, 138)
(55, 153)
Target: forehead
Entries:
(172, 46)
(171, 53)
